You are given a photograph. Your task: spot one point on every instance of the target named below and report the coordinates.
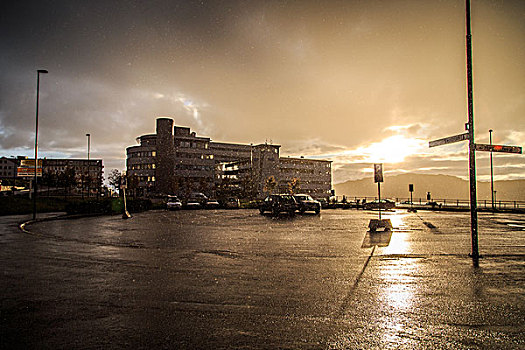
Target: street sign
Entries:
(27, 168)
(498, 148)
(28, 172)
(30, 163)
(378, 172)
(450, 139)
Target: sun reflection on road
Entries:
(397, 297)
(398, 278)
(399, 243)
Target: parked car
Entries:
(376, 204)
(192, 204)
(307, 203)
(433, 204)
(212, 204)
(231, 203)
(279, 203)
(195, 200)
(198, 197)
(173, 203)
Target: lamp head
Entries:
(42, 71)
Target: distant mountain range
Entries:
(440, 187)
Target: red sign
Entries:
(498, 148)
(28, 172)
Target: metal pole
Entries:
(88, 139)
(379, 196)
(36, 138)
(472, 149)
(89, 168)
(491, 172)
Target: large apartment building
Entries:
(176, 160)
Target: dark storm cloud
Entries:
(319, 78)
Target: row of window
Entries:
(302, 163)
(188, 144)
(148, 142)
(193, 167)
(146, 178)
(76, 168)
(142, 166)
(193, 155)
(143, 154)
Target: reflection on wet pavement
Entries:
(236, 279)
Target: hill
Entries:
(440, 186)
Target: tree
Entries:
(270, 184)
(114, 177)
(70, 178)
(293, 185)
(133, 183)
(249, 188)
(88, 181)
(49, 179)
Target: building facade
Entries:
(176, 160)
(83, 175)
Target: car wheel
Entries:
(261, 210)
(317, 210)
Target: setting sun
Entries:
(393, 149)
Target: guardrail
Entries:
(456, 203)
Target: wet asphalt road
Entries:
(235, 279)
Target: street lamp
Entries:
(88, 139)
(38, 72)
(491, 171)
(88, 167)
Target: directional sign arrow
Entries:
(498, 148)
(450, 139)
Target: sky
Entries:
(355, 82)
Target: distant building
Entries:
(88, 173)
(85, 174)
(8, 167)
(176, 160)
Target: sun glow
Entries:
(393, 149)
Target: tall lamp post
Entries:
(89, 143)
(88, 172)
(38, 72)
(491, 172)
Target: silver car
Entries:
(173, 203)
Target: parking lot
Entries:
(237, 279)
